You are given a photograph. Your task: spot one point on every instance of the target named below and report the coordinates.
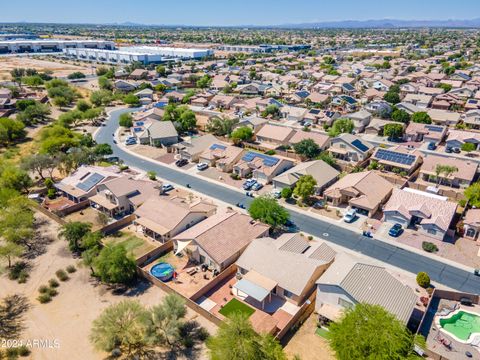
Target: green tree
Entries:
(10, 250)
(236, 340)
(126, 120)
(33, 81)
(74, 232)
(392, 97)
(221, 127)
(468, 147)
(102, 150)
(286, 193)
(101, 97)
(161, 70)
(240, 134)
(104, 83)
(38, 164)
(341, 126)
(305, 187)
(11, 130)
(22, 104)
(421, 117)
(267, 210)
(204, 81)
(357, 335)
(423, 279)
(272, 110)
(131, 100)
(15, 178)
(308, 148)
(115, 266)
(34, 113)
(83, 106)
(472, 194)
(400, 115)
(122, 326)
(76, 75)
(393, 131)
(12, 316)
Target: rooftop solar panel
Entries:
(137, 129)
(217, 146)
(267, 160)
(90, 182)
(434, 128)
(359, 145)
(392, 156)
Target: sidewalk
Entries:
(377, 237)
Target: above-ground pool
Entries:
(461, 324)
(162, 271)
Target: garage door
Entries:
(361, 211)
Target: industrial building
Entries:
(50, 45)
(143, 54)
(263, 48)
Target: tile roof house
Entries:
(422, 101)
(274, 134)
(192, 148)
(418, 132)
(431, 214)
(461, 178)
(324, 174)
(222, 156)
(322, 140)
(154, 132)
(121, 196)
(262, 167)
(456, 138)
(365, 191)
(471, 224)
(444, 117)
(350, 148)
(360, 119)
(349, 281)
(397, 158)
(219, 240)
(286, 267)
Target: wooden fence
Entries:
(117, 225)
(51, 215)
(232, 269)
(154, 254)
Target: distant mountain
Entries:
(387, 23)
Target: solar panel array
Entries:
(217, 146)
(90, 182)
(392, 156)
(434, 128)
(139, 123)
(137, 129)
(267, 160)
(359, 145)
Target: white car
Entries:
(202, 166)
(276, 194)
(350, 216)
(167, 187)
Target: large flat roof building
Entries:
(50, 45)
(143, 54)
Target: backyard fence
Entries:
(117, 225)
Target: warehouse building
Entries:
(144, 54)
(50, 45)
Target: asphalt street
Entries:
(413, 262)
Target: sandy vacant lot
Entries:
(69, 316)
(7, 63)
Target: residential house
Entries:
(163, 218)
(155, 133)
(472, 118)
(430, 214)
(377, 125)
(460, 178)
(409, 107)
(350, 148)
(398, 159)
(420, 100)
(274, 135)
(322, 140)
(471, 224)
(254, 123)
(218, 241)
(262, 167)
(222, 156)
(360, 119)
(285, 268)
(349, 281)
(364, 191)
(223, 101)
(145, 96)
(456, 138)
(192, 148)
(324, 175)
(294, 113)
(125, 85)
(444, 117)
(417, 132)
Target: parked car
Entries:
(432, 146)
(202, 166)
(319, 204)
(130, 142)
(276, 194)
(456, 150)
(257, 186)
(167, 187)
(448, 149)
(395, 230)
(181, 162)
(247, 185)
(350, 216)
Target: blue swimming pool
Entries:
(162, 271)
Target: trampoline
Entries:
(162, 271)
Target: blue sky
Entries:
(231, 12)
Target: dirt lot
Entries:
(69, 316)
(307, 344)
(8, 63)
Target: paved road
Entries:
(410, 261)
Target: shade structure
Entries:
(251, 289)
(182, 245)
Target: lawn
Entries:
(323, 333)
(235, 305)
(134, 245)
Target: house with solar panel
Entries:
(397, 159)
(193, 147)
(417, 132)
(262, 168)
(350, 148)
(222, 156)
(82, 184)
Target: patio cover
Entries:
(182, 245)
(251, 289)
(103, 202)
(260, 280)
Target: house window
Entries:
(471, 232)
(288, 294)
(432, 231)
(344, 303)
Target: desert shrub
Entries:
(23, 350)
(53, 283)
(286, 193)
(423, 279)
(52, 292)
(62, 275)
(43, 289)
(44, 298)
(270, 152)
(429, 247)
(71, 269)
(18, 271)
